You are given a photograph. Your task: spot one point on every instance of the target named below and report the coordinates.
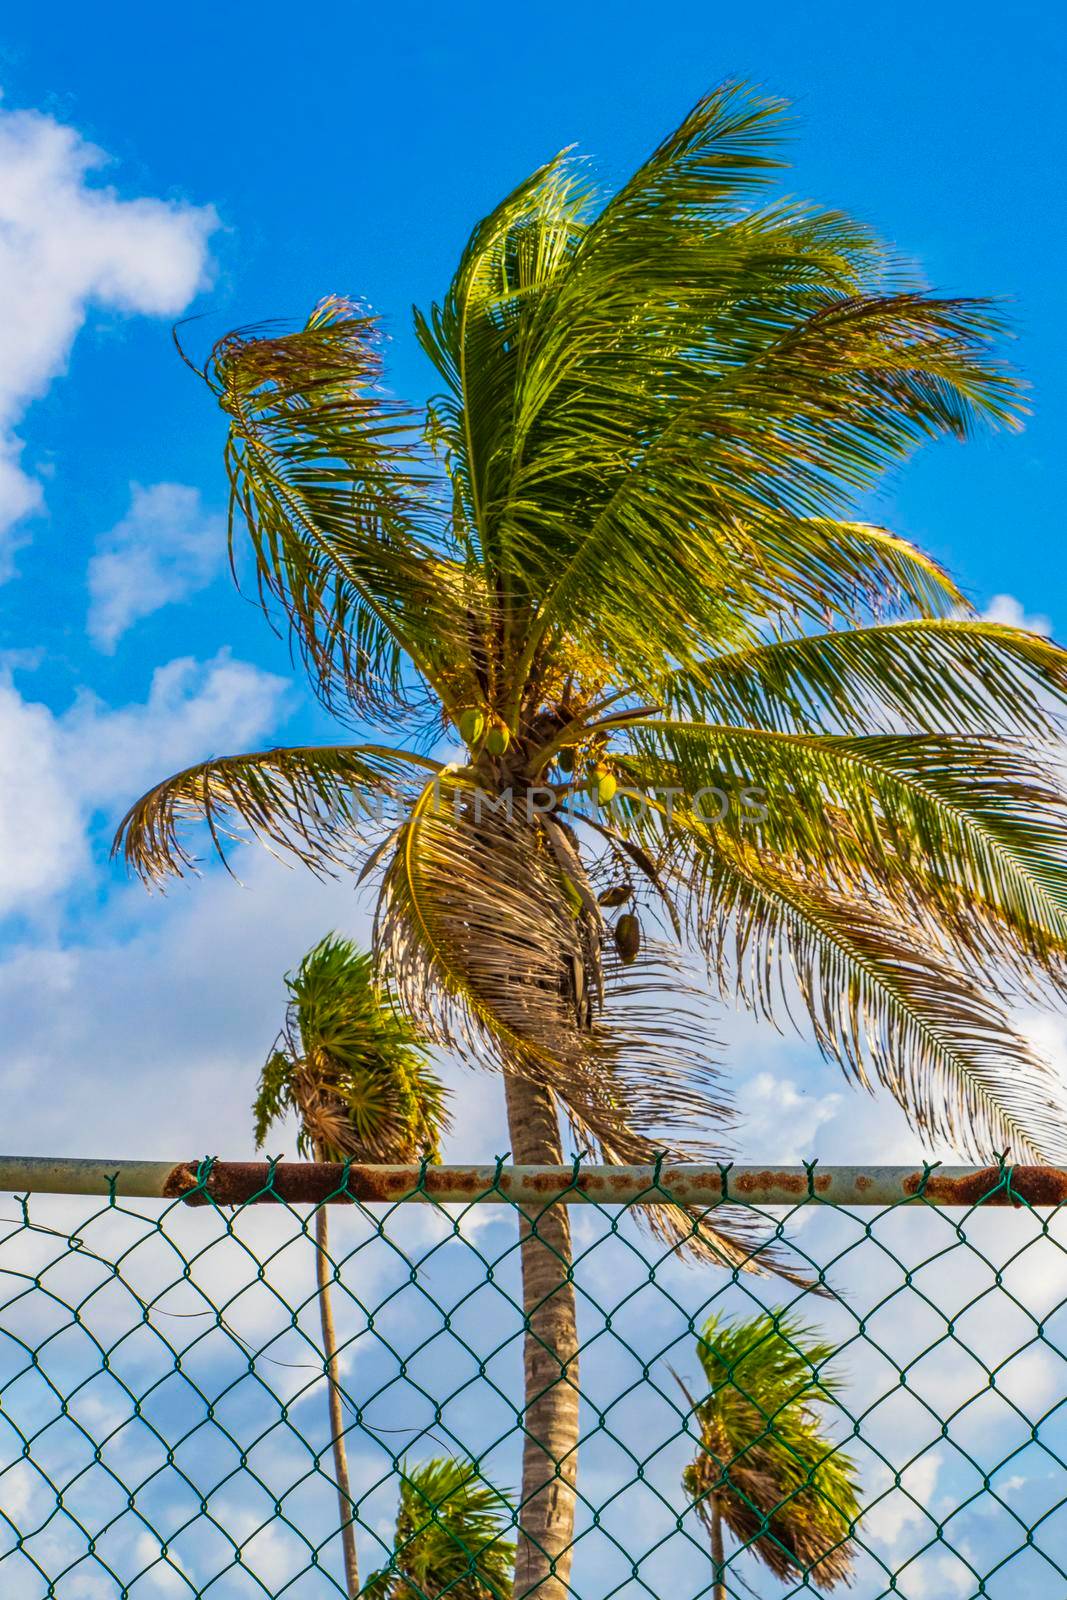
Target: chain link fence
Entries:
(165, 1427)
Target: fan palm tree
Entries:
(450, 1542)
(352, 1070)
(766, 1469)
(619, 551)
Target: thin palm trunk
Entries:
(718, 1553)
(337, 1422)
(550, 1361)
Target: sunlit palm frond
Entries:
(814, 567)
(970, 831)
(733, 502)
(328, 483)
(886, 1001)
(314, 802)
(481, 341)
(477, 933)
(481, 939)
(704, 369)
(351, 1066)
(927, 674)
(652, 1088)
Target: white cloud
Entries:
(1006, 609)
(794, 1105)
(42, 840)
(900, 1513)
(151, 1032)
(56, 771)
(165, 548)
(68, 243)
(194, 710)
(168, 1573)
(780, 1118)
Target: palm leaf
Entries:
(326, 478)
(968, 830)
(312, 802)
(885, 1000)
(929, 674)
(450, 1537)
(351, 1066)
(479, 341)
(767, 1463)
(480, 939)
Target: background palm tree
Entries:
(449, 1537)
(619, 550)
(767, 1469)
(352, 1070)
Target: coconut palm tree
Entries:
(350, 1067)
(450, 1542)
(619, 553)
(766, 1468)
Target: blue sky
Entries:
(242, 169)
(257, 160)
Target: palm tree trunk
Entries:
(718, 1554)
(324, 1275)
(550, 1360)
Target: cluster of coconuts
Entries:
(473, 726)
(602, 785)
(627, 930)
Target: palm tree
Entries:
(617, 552)
(352, 1070)
(766, 1469)
(449, 1537)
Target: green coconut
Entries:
(471, 726)
(603, 784)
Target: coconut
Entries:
(628, 937)
(498, 738)
(606, 788)
(603, 784)
(471, 726)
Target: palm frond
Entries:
(327, 481)
(479, 339)
(313, 802)
(970, 831)
(929, 674)
(450, 1536)
(886, 1001)
(767, 1462)
(708, 376)
(351, 1066)
(478, 934)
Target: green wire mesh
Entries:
(164, 1428)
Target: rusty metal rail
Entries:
(309, 1183)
